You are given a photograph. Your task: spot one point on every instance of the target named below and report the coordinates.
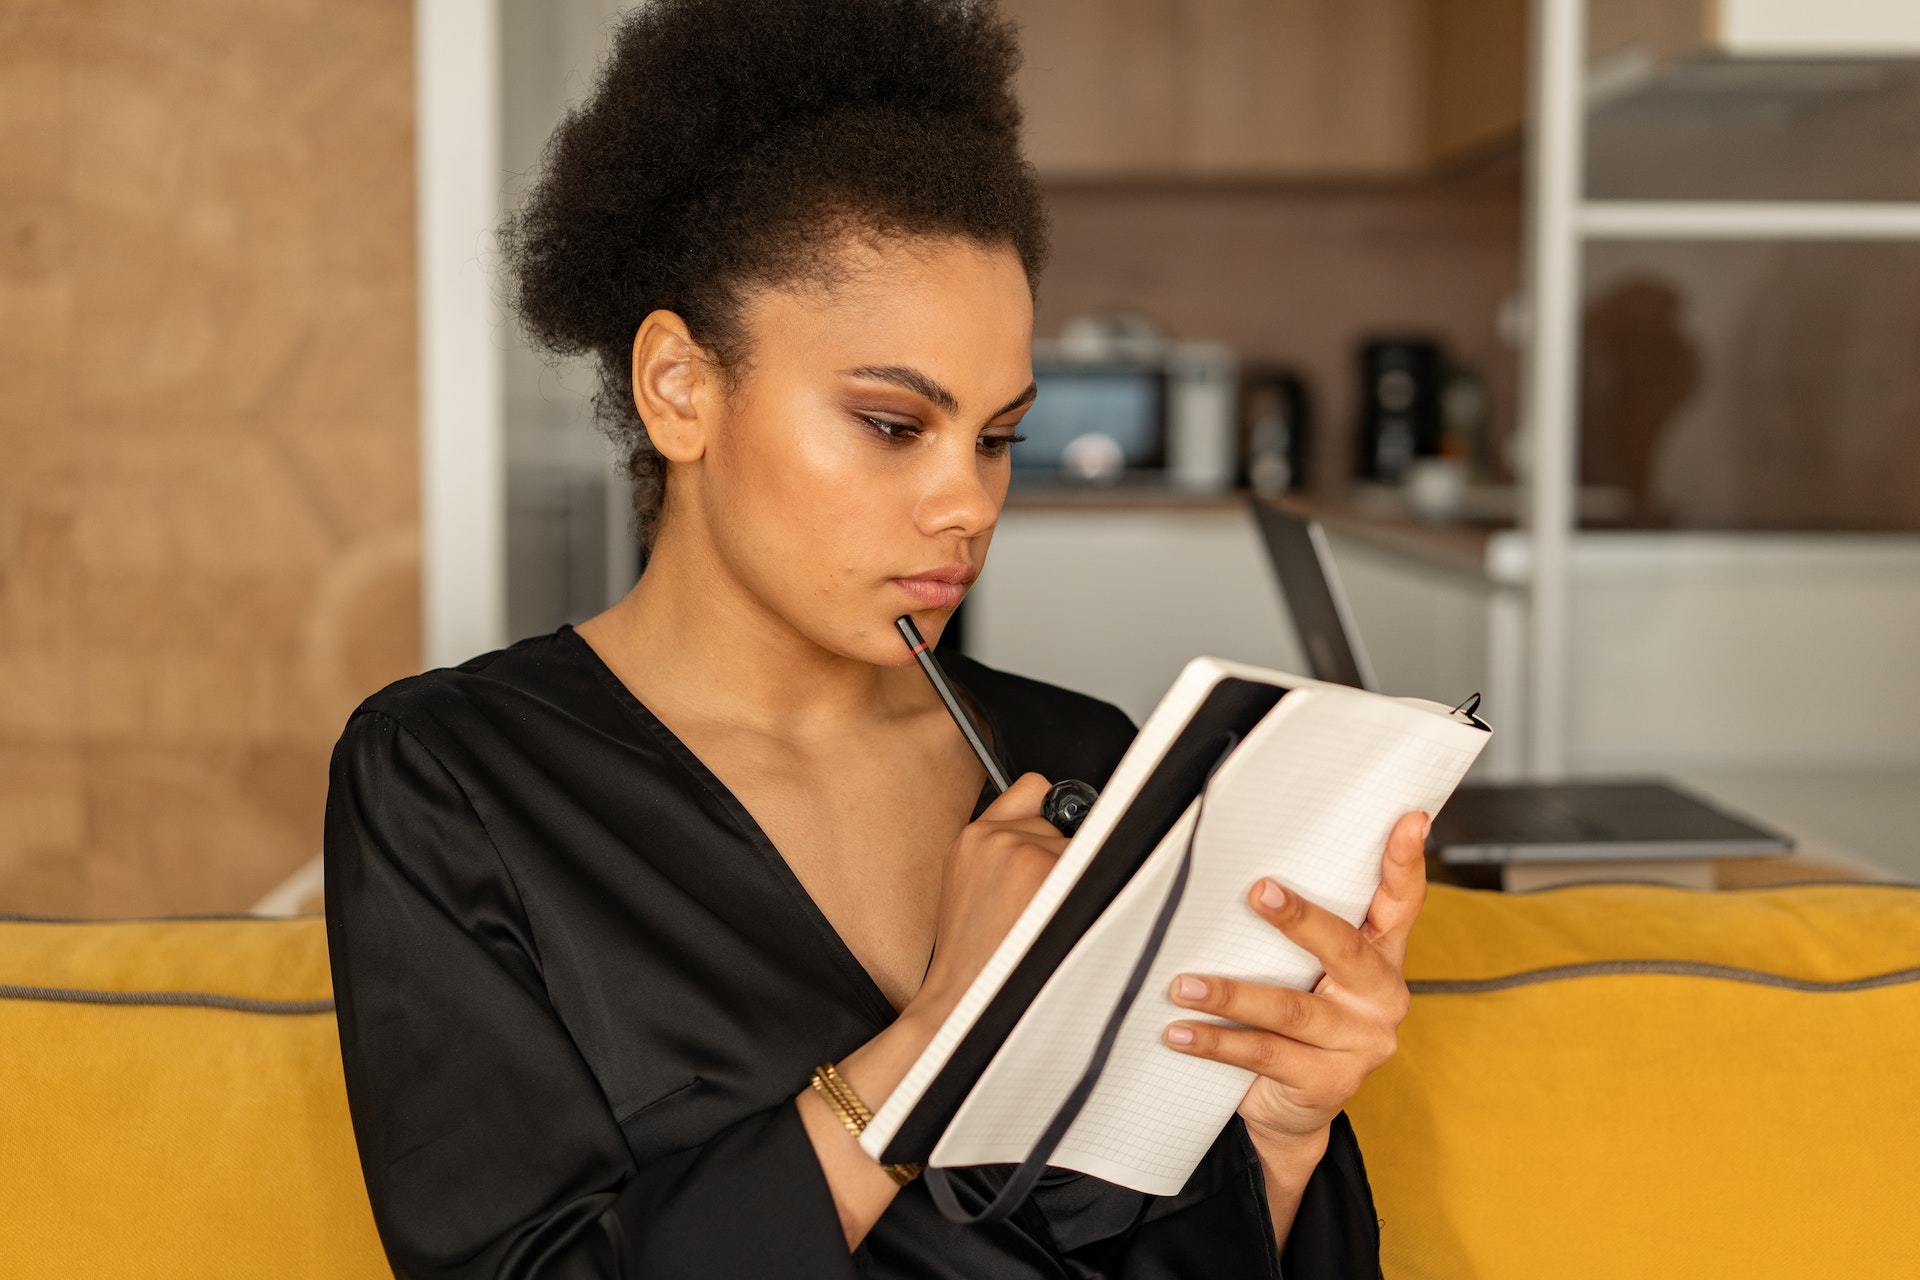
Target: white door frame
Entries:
(463, 571)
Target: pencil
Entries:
(942, 686)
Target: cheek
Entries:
(807, 509)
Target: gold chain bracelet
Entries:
(832, 1086)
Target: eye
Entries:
(997, 446)
(895, 431)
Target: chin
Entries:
(879, 643)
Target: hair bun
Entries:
(740, 67)
(724, 139)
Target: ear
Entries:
(673, 381)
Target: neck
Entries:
(692, 637)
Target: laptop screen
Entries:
(1308, 583)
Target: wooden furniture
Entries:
(1356, 89)
(1224, 88)
(1299, 89)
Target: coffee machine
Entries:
(1401, 381)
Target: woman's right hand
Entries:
(993, 868)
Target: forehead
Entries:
(960, 311)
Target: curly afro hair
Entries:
(732, 145)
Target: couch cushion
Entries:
(171, 1104)
(1635, 1080)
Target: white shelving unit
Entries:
(1561, 220)
(463, 488)
(508, 462)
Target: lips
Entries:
(940, 588)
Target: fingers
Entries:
(1021, 800)
(1347, 956)
(1009, 838)
(1296, 1015)
(1403, 888)
(1292, 1037)
(1317, 1047)
(1013, 822)
(1288, 1062)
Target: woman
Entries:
(599, 904)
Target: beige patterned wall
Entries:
(208, 475)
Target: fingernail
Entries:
(1426, 829)
(1190, 988)
(1178, 1034)
(1272, 896)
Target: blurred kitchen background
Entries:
(1599, 359)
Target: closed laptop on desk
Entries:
(1638, 821)
(1590, 822)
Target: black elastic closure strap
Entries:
(1027, 1173)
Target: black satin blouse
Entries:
(578, 990)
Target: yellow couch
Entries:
(1606, 1081)
(1628, 1080)
(171, 1105)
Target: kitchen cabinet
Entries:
(1477, 53)
(1329, 87)
(1477, 50)
(1683, 642)
(1098, 85)
(1625, 37)
(1155, 584)
(1224, 88)
(1476, 75)
(1280, 89)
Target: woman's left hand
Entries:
(1312, 1049)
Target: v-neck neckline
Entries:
(860, 979)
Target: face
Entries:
(856, 469)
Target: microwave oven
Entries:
(1163, 416)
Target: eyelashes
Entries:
(902, 432)
(897, 432)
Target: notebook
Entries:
(1302, 781)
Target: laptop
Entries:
(1496, 824)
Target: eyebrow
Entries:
(910, 379)
(1025, 397)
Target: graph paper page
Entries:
(1308, 799)
(1196, 679)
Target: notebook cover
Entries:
(1232, 706)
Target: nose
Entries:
(961, 491)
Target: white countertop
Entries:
(1869, 821)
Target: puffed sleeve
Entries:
(487, 1144)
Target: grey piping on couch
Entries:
(1664, 968)
(182, 999)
